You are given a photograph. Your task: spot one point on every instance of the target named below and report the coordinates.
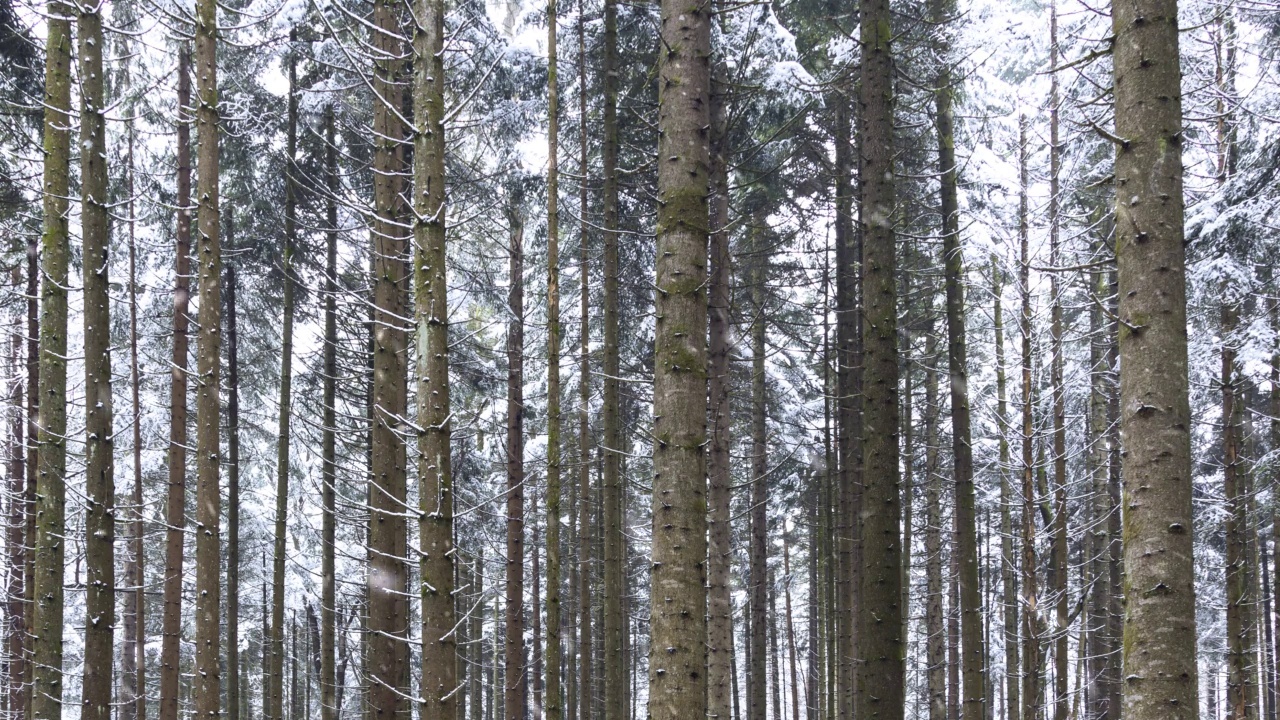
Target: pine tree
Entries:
(554, 709)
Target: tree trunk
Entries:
(275, 703)
(1030, 608)
(580, 685)
(175, 512)
(50, 502)
(678, 652)
(206, 693)
(431, 315)
(1008, 563)
(15, 660)
(759, 517)
(720, 534)
(553, 707)
(1159, 628)
(329, 708)
(935, 638)
(233, 490)
(792, 658)
(388, 618)
(880, 642)
(513, 688)
(100, 484)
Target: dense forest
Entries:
(685, 359)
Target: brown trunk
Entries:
(758, 555)
(513, 688)
(233, 489)
(1030, 601)
(329, 707)
(935, 639)
(1008, 562)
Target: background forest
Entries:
(344, 369)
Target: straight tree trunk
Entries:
(388, 620)
(34, 360)
(275, 703)
(935, 638)
(535, 674)
(758, 555)
(1059, 564)
(611, 486)
(233, 489)
(100, 483)
(1241, 631)
(133, 652)
(329, 708)
(720, 534)
(1159, 626)
(15, 540)
(175, 511)
(579, 671)
(792, 655)
(476, 677)
(50, 502)
(1008, 563)
(513, 687)
(553, 707)
(1030, 601)
(966, 545)
(206, 692)
(678, 602)
(881, 668)
(775, 659)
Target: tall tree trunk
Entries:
(329, 708)
(535, 711)
(792, 656)
(15, 630)
(678, 652)
(206, 693)
(580, 667)
(1008, 563)
(275, 703)
(513, 688)
(554, 708)
(775, 659)
(1059, 563)
(1159, 627)
(100, 483)
(611, 485)
(175, 511)
(233, 489)
(1030, 601)
(758, 555)
(966, 545)
(1241, 630)
(476, 677)
(881, 646)
(388, 619)
(34, 360)
(50, 503)
(935, 639)
(720, 534)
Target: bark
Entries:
(275, 703)
(388, 622)
(34, 360)
(14, 668)
(554, 707)
(1008, 564)
(1030, 601)
(431, 306)
(678, 653)
(792, 655)
(50, 502)
(206, 692)
(513, 688)
(881, 647)
(758, 555)
(614, 676)
(233, 490)
(935, 639)
(720, 534)
(535, 619)
(175, 511)
(329, 707)
(579, 671)
(1241, 628)
(133, 651)
(100, 484)
(1159, 627)
(775, 660)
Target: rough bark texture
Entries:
(719, 532)
(1008, 563)
(1160, 625)
(206, 690)
(554, 710)
(1030, 609)
(233, 488)
(513, 687)
(935, 640)
(50, 501)
(678, 600)
(100, 484)
(275, 701)
(175, 504)
(388, 622)
(758, 558)
(881, 647)
(15, 631)
(579, 671)
(328, 454)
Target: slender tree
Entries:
(50, 501)
(328, 453)
(100, 485)
(233, 484)
(554, 709)
(1008, 563)
(678, 601)
(1030, 602)
(175, 501)
(758, 555)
